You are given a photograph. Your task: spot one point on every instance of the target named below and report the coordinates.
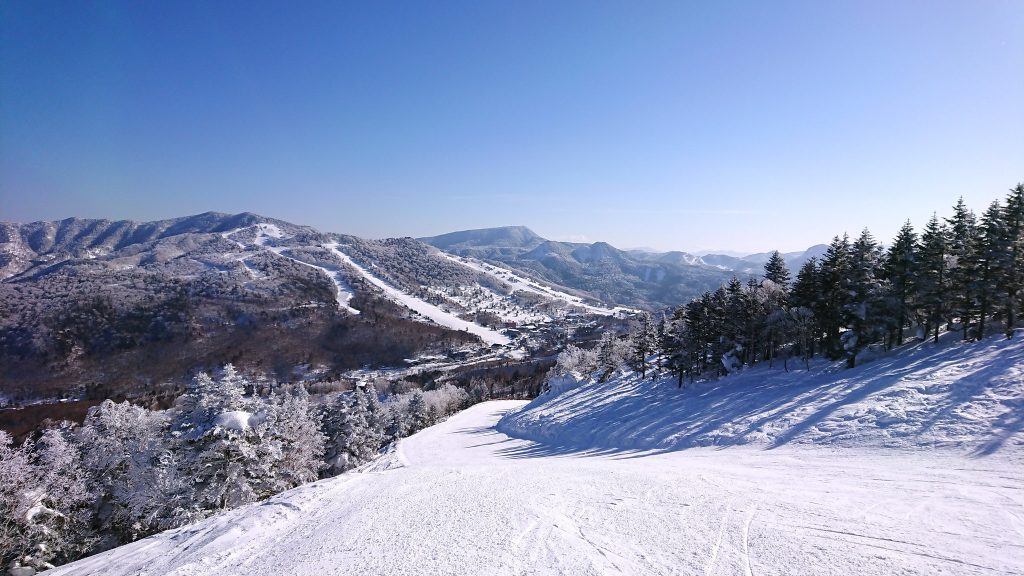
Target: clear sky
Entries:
(676, 125)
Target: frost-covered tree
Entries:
(19, 484)
(62, 512)
(233, 452)
(135, 477)
(416, 413)
(297, 429)
(573, 360)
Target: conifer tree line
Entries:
(127, 472)
(963, 273)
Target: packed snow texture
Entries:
(425, 309)
(463, 498)
(963, 396)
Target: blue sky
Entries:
(677, 125)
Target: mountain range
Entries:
(640, 278)
(99, 308)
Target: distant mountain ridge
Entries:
(639, 278)
(98, 308)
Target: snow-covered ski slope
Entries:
(425, 309)
(264, 234)
(518, 282)
(463, 498)
(968, 397)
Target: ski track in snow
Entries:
(518, 282)
(462, 498)
(343, 293)
(422, 308)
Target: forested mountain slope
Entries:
(97, 308)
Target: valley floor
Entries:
(463, 498)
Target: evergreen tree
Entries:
(234, 453)
(776, 271)
(834, 278)
(18, 478)
(63, 530)
(418, 418)
(865, 311)
(961, 247)
(899, 270)
(643, 343)
(932, 275)
(988, 264)
(1013, 267)
(139, 481)
(297, 429)
(674, 345)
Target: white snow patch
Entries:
(237, 420)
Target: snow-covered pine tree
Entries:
(297, 429)
(136, 478)
(233, 452)
(376, 419)
(932, 275)
(606, 355)
(341, 430)
(417, 412)
(61, 523)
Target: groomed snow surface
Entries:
(935, 486)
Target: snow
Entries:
(425, 309)
(968, 397)
(237, 420)
(518, 282)
(462, 497)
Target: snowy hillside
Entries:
(123, 305)
(463, 498)
(968, 397)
